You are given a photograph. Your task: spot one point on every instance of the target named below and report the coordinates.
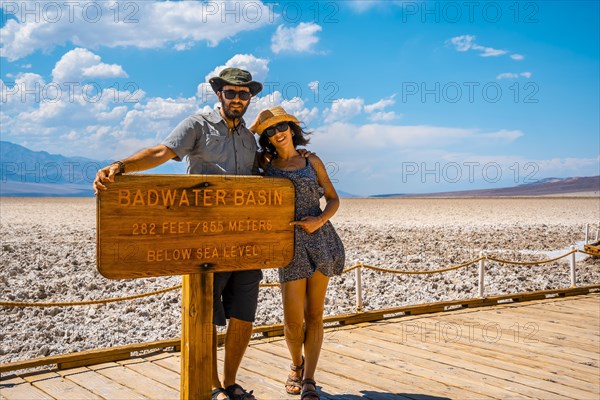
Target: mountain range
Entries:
(28, 173)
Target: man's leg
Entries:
(236, 342)
(220, 281)
(240, 299)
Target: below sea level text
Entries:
(204, 253)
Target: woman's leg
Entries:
(313, 314)
(294, 297)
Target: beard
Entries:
(235, 113)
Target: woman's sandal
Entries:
(309, 392)
(216, 392)
(295, 381)
(230, 390)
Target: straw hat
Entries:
(270, 117)
(235, 77)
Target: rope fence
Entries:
(357, 267)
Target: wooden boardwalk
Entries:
(547, 349)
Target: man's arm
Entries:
(141, 161)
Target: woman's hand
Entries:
(309, 224)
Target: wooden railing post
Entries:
(358, 275)
(481, 274)
(573, 273)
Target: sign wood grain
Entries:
(154, 225)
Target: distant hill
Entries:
(25, 172)
(542, 187)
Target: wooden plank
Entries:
(552, 323)
(512, 328)
(275, 364)
(391, 379)
(58, 387)
(153, 371)
(135, 381)
(100, 384)
(89, 355)
(16, 388)
(540, 351)
(576, 309)
(196, 336)
(557, 320)
(519, 351)
(532, 375)
(169, 343)
(95, 360)
(154, 225)
(171, 363)
(258, 376)
(438, 367)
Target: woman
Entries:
(318, 253)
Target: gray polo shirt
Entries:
(212, 148)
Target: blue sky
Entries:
(403, 97)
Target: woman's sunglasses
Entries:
(230, 94)
(280, 127)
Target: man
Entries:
(216, 142)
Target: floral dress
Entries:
(321, 250)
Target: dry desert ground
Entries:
(48, 249)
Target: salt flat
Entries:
(48, 254)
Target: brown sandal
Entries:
(295, 381)
(309, 392)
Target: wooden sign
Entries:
(153, 225)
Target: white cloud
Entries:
(343, 110)
(376, 110)
(517, 57)
(314, 86)
(142, 24)
(381, 104)
(297, 107)
(467, 42)
(404, 138)
(258, 67)
(81, 63)
(294, 106)
(383, 116)
(503, 134)
(300, 39)
(510, 75)
(462, 43)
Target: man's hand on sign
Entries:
(106, 174)
(309, 224)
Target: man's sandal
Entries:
(242, 396)
(216, 392)
(295, 381)
(309, 392)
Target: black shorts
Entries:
(235, 295)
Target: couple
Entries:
(218, 142)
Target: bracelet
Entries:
(121, 165)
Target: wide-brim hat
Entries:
(270, 117)
(235, 77)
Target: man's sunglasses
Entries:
(230, 94)
(281, 127)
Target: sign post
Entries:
(194, 225)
